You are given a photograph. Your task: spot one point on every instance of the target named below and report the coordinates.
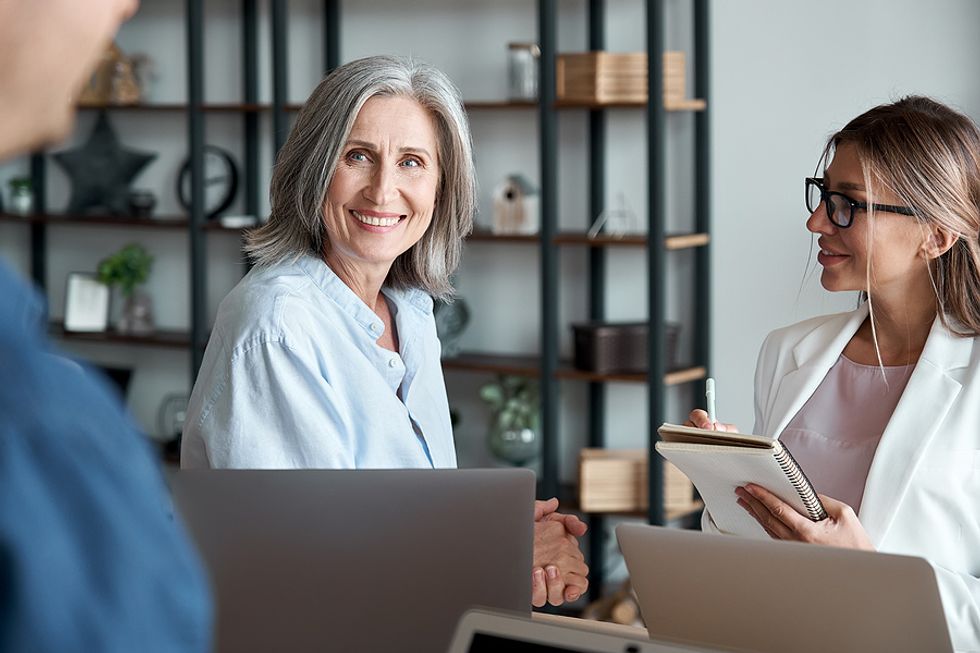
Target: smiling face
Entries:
(383, 192)
(892, 244)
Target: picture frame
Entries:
(86, 303)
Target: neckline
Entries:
(876, 367)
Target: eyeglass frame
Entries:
(853, 204)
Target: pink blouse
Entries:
(836, 433)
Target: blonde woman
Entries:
(881, 406)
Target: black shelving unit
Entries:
(597, 291)
(195, 110)
(551, 241)
(658, 245)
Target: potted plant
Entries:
(127, 269)
(515, 417)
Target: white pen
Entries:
(709, 394)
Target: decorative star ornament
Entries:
(101, 171)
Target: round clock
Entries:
(220, 182)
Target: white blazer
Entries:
(922, 495)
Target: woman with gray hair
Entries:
(326, 355)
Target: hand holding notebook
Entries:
(717, 462)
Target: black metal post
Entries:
(597, 293)
(195, 98)
(250, 88)
(39, 232)
(280, 125)
(702, 182)
(331, 34)
(656, 259)
(548, 127)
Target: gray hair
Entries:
(307, 161)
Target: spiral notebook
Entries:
(717, 462)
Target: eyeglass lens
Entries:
(838, 209)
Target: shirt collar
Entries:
(340, 293)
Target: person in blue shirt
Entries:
(90, 556)
(326, 355)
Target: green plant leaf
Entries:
(127, 268)
(493, 394)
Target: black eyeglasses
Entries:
(840, 207)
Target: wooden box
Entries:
(602, 77)
(675, 75)
(615, 480)
(619, 78)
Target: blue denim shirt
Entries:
(90, 556)
(293, 377)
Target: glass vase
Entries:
(512, 445)
(136, 317)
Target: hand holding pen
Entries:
(706, 419)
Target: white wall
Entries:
(785, 75)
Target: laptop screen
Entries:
(483, 643)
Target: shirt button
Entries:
(393, 362)
(375, 328)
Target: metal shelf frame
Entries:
(546, 366)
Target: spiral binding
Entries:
(800, 483)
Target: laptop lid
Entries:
(482, 631)
(770, 596)
(357, 560)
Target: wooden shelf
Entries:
(493, 363)
(159, 338)
(602, 240)
(690, 104)
(685, 375)
(155, 222)
(484, 236)
(233, 107)
(149, 106)
(471, 105)
(686, 241)
(490, 105)
(215, 225)
(530, 366)
(672, 242)
(217, 107)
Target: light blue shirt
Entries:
(293, 378)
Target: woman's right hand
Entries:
(699, 419)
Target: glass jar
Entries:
(523, 66)
(21, 199)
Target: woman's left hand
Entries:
(560, 573)
(841, 528)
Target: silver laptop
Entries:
(482, 631)
(357, 560)
(768, 596)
